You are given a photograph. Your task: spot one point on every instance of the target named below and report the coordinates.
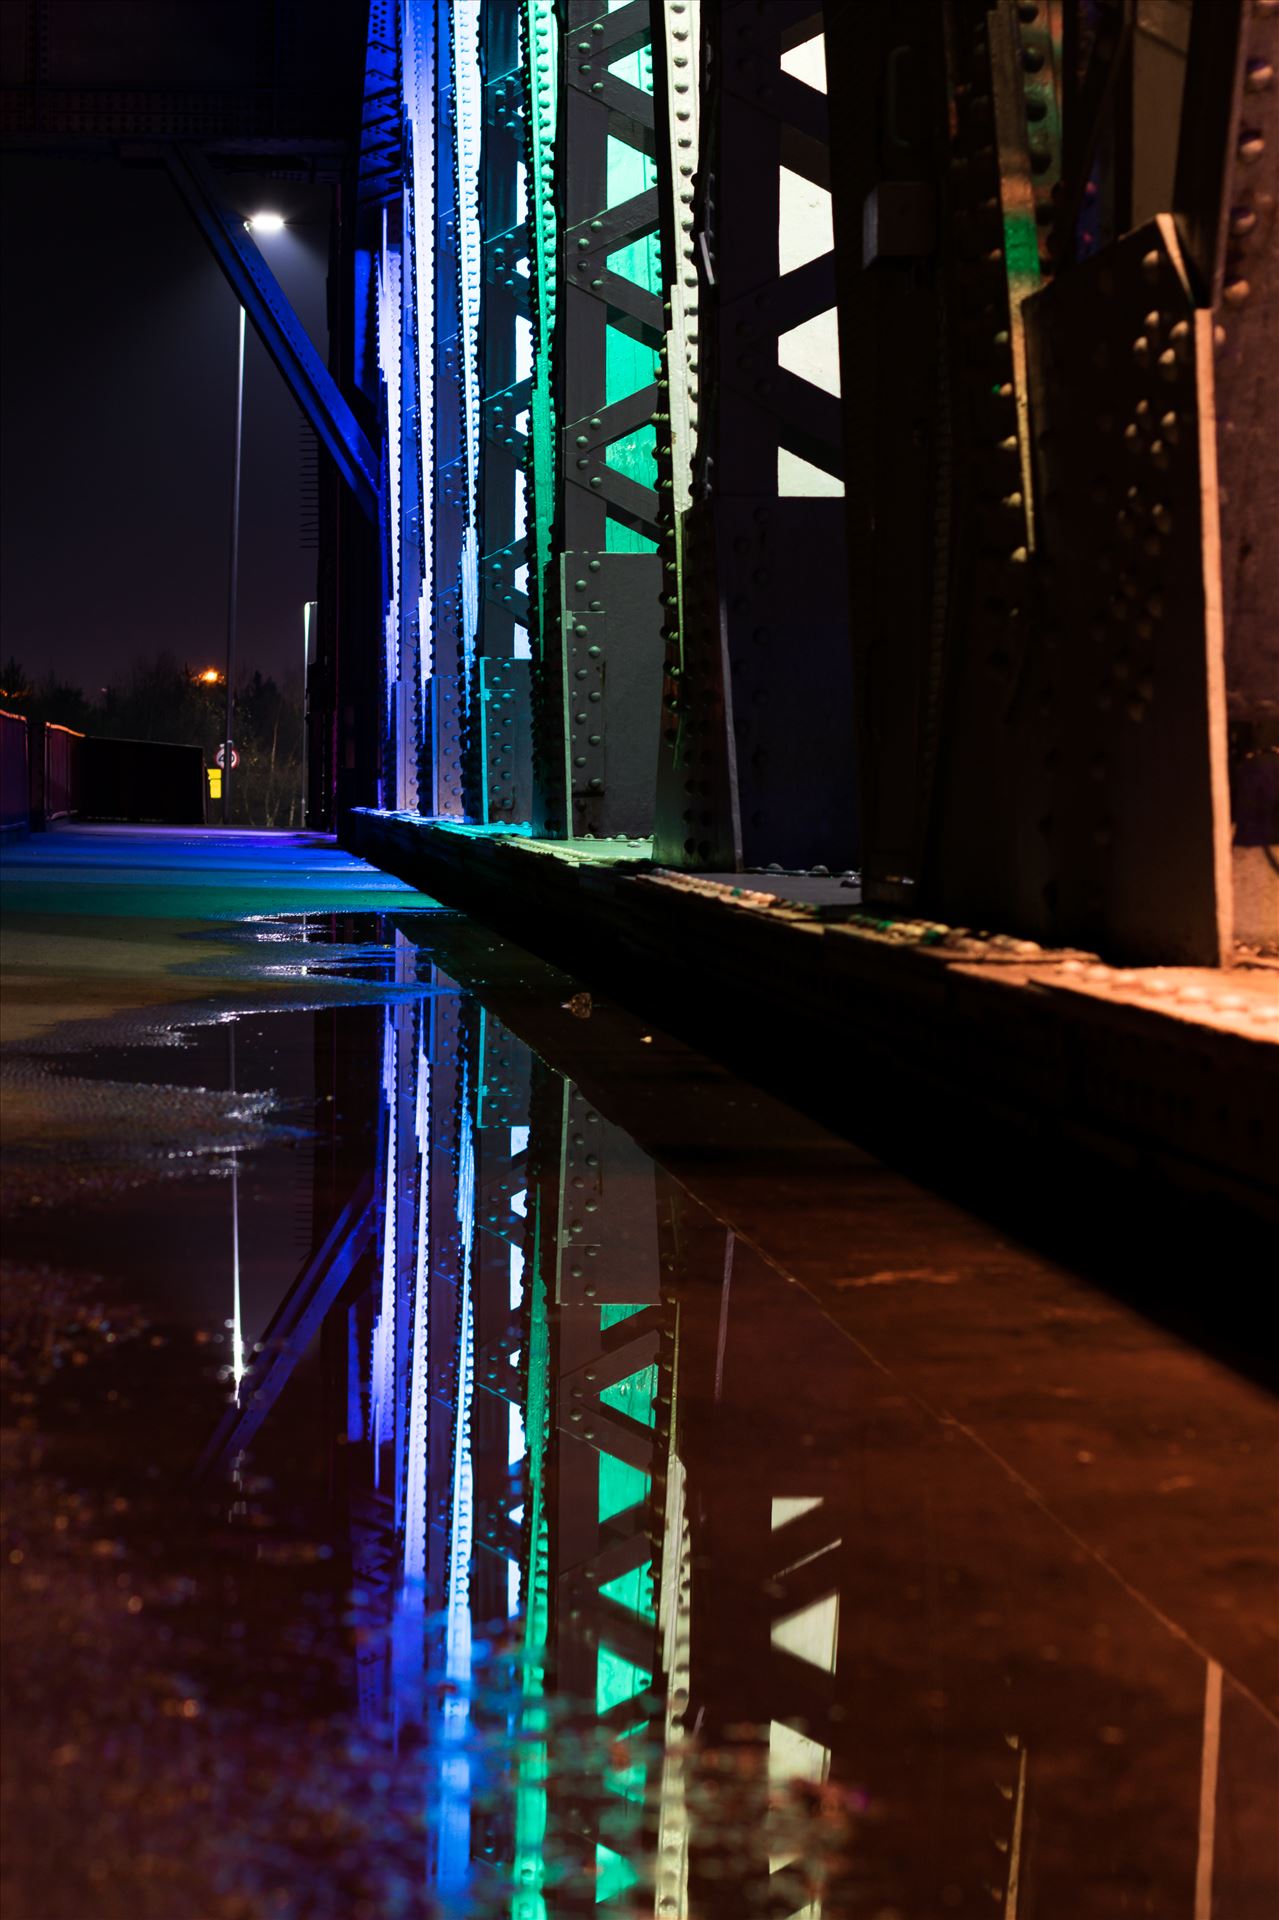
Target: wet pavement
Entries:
(466, 1454)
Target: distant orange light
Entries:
(210, 676)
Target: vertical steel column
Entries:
(695, 820)
(399, 748)
(607, 1439)
(500, 1101)
(376, 270)
(446, 1256)
(772, 1545)
(415, 784)
(600, 638)
(885, 62)
(540, 61)
(769, 462)
(1228, 203)
(968, 755)
(447, 510)
(504, 771)
(1079, 769)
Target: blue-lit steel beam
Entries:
(278, 327)
(502, 725)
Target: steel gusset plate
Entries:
(613, 653)
(506, 739)
(1119, 717)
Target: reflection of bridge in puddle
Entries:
(695, 1611)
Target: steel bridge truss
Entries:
(732, 472)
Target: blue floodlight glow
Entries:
(382, 1381)
(470, 113)
(419, 244)
(387, 299)
(415, 1463)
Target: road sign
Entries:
(220, 757)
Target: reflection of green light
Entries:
(1021, 246)
(614, 1310)
(613, 1874)
(634, 1590)
(628, 1783)
(617, 1680)
(621, 1486)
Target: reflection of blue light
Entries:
(415, 1464)
(460, 1557)
(237, 1316)
(382, 1382)
(455, 1772)
(354, 1397)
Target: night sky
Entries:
(119, 342)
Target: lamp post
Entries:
(228, 749)
(310, 610)
(259, 223)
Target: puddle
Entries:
(434, 1502)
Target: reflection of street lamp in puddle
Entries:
(237, 1324)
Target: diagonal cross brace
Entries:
(282, 334)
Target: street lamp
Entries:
(258, 223)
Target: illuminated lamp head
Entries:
(265, 223)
